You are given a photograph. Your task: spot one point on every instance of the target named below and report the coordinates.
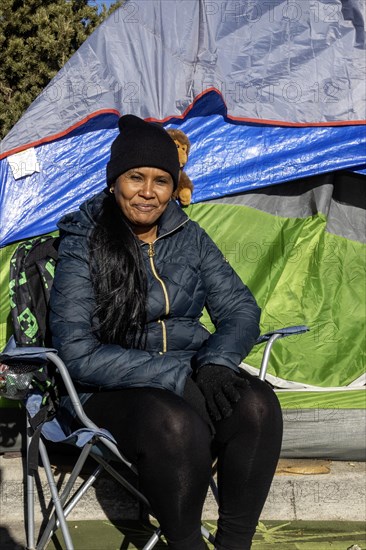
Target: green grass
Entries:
(292, 535)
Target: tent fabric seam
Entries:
(301, 387)
(284, 218)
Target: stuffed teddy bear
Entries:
(185, 187)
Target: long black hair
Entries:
(118, 277)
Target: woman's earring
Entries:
(111, 190)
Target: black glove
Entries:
(193, 395)
(219, 386)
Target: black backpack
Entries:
(32, 269)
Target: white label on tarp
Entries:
(24, 163)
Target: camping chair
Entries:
(31, 268)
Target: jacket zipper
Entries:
(165, 292)
(151, 254)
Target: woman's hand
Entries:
(219, 386)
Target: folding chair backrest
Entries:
(32, 270)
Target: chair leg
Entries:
(214, 490)
(81, 491)
(75, 472)
(153, 541)
(130, 488)
(56, 501)
(29, 500)
(53, 522)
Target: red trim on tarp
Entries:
(181, 117)
(59, 134)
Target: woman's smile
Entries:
(144, 207)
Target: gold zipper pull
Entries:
(151, 250)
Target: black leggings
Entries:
(173, 449)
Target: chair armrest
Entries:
(270, 338)
(84, 419)
(282, 332)
(70, 388)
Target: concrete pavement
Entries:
(302, 489)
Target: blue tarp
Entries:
(266, 91)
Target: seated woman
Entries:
(133, 276)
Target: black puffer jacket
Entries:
(186, 271)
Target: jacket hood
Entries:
(83, 221)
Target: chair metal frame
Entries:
(63, 503)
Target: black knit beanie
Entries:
(139, 144)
